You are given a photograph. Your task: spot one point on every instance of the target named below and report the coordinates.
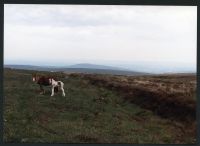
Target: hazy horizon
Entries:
(149, 67)
(145, 38)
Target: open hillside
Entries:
(100, 109)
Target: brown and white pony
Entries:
(48, 81)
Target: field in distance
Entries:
(150, 109)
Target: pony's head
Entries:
(34, 77)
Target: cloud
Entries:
(79, 32)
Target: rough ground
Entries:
(100, 109)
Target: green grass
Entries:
(88, 114)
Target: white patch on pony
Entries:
(50, 80)
(33, 79)
(55, 84)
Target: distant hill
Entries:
(95, 66)
(103, 71)
(26, 67)
(80, 68)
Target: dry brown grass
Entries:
(170, 96)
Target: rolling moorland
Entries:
(80, 68)
(145, 109)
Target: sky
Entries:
(128, 36)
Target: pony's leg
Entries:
(52, 91)
(63, 91)
(42, 90)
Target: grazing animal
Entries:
(49, 81)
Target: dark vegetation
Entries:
(101, 109)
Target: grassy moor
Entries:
(97, 108)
